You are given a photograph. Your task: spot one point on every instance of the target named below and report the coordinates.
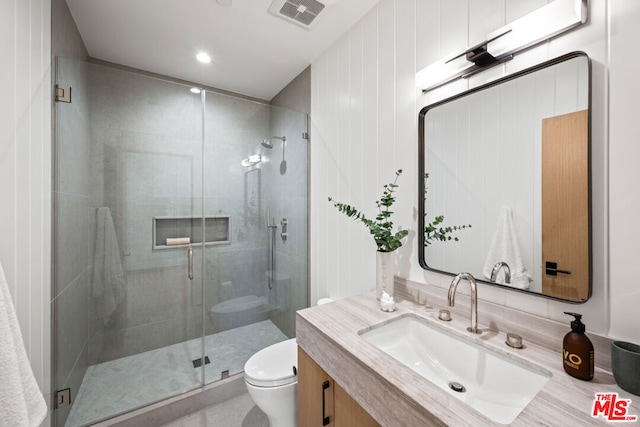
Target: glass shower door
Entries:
(128, 242)
(257, 278)
(168, 275)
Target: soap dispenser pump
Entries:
(577, 350)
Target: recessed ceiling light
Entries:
(194, 90)
(203, 57)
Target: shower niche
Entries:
(177, 232)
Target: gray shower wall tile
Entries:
(71, 331)
(65, 237)
(245, 222)
(71, 147)
(71, 238)
(244, 269)
(143, 104)
(224, 176)
(72, 151)
(151, 336)
(158, 295)
(227, 116)
(165, 165)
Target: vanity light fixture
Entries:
(502, 44)
(195, 90)
(203, 57)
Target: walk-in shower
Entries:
(163, 262)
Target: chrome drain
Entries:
(457, 387)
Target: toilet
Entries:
(272, 381)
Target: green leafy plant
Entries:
(382, 226)
(435, 231)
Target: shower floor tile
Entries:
(121, 385)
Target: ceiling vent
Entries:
(300, 12)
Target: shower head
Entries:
(266, 143)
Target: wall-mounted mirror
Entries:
(511, 158)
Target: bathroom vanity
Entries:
(331, 348)
(322, 400)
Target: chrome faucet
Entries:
(496, 270)
(474, 299)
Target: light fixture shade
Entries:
(540, 25)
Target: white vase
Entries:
(384, 273)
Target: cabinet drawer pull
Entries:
(325, 419)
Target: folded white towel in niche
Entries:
(504, 248)
(108, 285)
(22, 402)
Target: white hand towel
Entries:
(22, 402)
(504, 248)
(108, 285)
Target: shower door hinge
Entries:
(63, 93)
(305, 135)
(62, 398)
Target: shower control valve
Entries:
(284, 233)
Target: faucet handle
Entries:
(514, 340)
(444, 315)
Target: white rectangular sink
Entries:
(494, 384)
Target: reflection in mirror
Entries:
(511, 158)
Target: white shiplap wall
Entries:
(624, 170)
(25, 172)
(363, 129)
(364, 109)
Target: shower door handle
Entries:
(190, 257)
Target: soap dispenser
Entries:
(577, 351)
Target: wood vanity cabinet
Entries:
(322, 402)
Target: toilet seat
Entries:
(273, 366)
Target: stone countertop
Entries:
(395, 395)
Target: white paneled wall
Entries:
(363, 129)
(25, 171)
(624, 171)
(364, 126)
